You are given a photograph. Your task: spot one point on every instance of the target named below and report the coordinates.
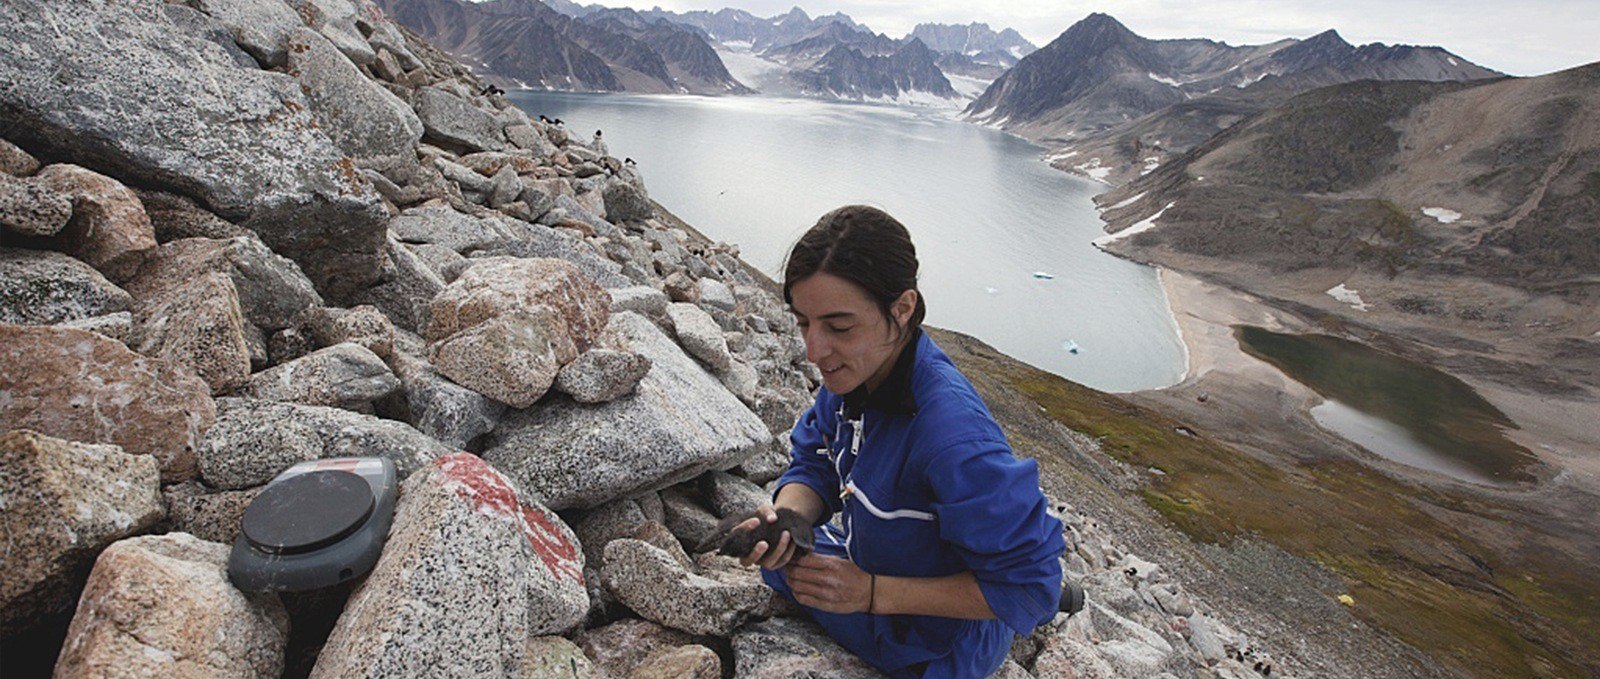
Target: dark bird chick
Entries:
(739, 542)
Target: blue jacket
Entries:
(924, 486)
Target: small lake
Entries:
(985, 213)
(1404, 411)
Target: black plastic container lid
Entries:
(307, 512)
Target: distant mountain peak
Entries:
(1330, 36)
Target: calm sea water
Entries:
(986, 215)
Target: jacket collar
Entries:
(894, 395)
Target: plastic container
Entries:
(315, 525)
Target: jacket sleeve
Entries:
(808, 457)
(992, 513)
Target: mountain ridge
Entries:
(1107, 101)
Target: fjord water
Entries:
(984, 212)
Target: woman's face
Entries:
(846, 336)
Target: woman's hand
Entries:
(831, 584)
(770, 557)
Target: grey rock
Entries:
(473, 569)
(386, 36)
(1172, 600)
(539, 200)
(641, 299)
(700, 335)
(442, 225)
(567, 207)
(272, 290)
(452, 121)
(653, 584)
(788, 647)
(467, 178)
(336, 20)
(211, 515)
(444, 410)
(364, 120)
(650, 503)
(626, 203)
(177, 217)
(392, 192)
(445, 262)
(253, 440)
(64, 502)
(1203, 636)
(241, 140)
(345, 375)
(162, 606)
(742, 380)
(505, 186)
(524, 137)
(43, 288)
(694, 525)
(611, 521)
(729, 495)
(660, 537)
(1063, 656)
(543, 241)
(677, 425)
(768, 464)
(117, 326)
(601, 375)
(30, 208)
(260, 28)
(716, 294)
(409, 287)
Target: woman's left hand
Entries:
(829, 583)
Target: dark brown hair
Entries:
(865, 246)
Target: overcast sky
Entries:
(1533, 37)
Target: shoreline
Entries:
(1555, 431)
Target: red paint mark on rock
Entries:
(488, 491)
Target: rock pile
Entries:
(242, 234)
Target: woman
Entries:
(943, 548)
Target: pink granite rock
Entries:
(64, 502)
(109, 228)
(162, 606)
(81, 386)
(496, 286)
(472, 570)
